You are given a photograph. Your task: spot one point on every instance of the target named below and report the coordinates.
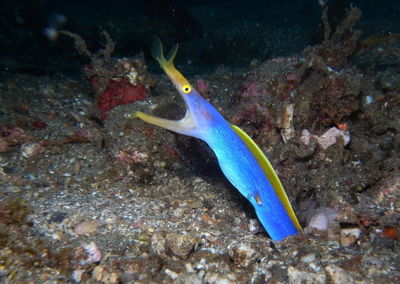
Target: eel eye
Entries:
(186, 89)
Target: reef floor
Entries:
(121, 201)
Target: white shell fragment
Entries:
(329, 138)
(31, 149)
(349, 236)
(287, 129)
(287, 116)
(93, 253)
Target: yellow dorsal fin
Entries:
(158, 54)
(269, 172)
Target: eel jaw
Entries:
(187, 125)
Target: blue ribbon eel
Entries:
(240, 159)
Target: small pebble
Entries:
(254, 226)
(242, 254)
(100, 273)
(158, 244)
(57, 217)
(86, 227)
(189, 268)
(349, 236)
(181, 245)
(172, 274)
(321, 218)
(196, 204)
(92, 251)
(77, 275)
(159, 164)
(31, 149)
(338, 275)
(267, 276)
(216, 278)
(308, 258)
(298, 276)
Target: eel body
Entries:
(240, 159)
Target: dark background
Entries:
(211, 33)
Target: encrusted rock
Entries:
(180, 245)
(321, 218)
(101, 273)
(184, 278)
(215, 278)
(308, 258)
(142, 265)
(86, 227)
(254, 226)
(337, 275)
(349, 236)
(158, 244)
(77, 275)
(329, 138)
(242, 254)
(87, 254)
(31, 149)
(297, 276)
(172, 274)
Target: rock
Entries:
(86, 227)
(349, 236)
(57, 217)
(180, 245)
(319, 222)
(172, 274)
(374, 264)
(142, 265)
(242, 254)
(196, 204)
(158, 244)
(185, 278)
(337, 275)
(87, 254)
(308, 258)
(215, 278)
(254, 226)
(31, 149)
(77, 275)
(297, 276)
(329, 138)
(285, 123)
(321, 218)
(267, 276)
(101, 273)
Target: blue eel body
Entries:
(237, 161)
(244, 172)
